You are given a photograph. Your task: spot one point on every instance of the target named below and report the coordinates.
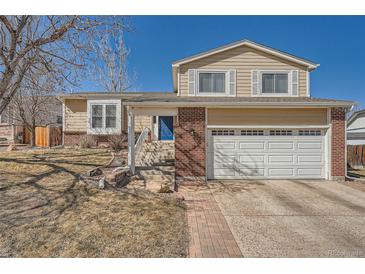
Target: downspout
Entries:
(346, 176)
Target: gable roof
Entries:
(272, 51)
(275, 52)
(354, 115)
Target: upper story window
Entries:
(212, 82)
(104, 116)
(274, 83)
(203, 82)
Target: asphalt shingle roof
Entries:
(170, 97)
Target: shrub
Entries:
(87, 141)
(117, 141)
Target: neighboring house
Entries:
(356, 128)
(12, 129)
(241, 111)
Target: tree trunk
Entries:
(32, 131)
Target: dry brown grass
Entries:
(47, 212)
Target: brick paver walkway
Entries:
(210, 236)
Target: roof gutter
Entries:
(242, 104)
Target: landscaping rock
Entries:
(165, 189)
(178, 196)
(115, 176)
(101, 183)
(122, 182)
(95, 172)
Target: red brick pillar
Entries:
(338, 146)
(190, 145)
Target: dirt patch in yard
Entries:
(46, 211)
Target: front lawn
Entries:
(46, 211)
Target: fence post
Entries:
(49, 135)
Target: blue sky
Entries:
(336, 42)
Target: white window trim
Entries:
(308, 84)
(104, 130)
(260, 94)
(226, 82)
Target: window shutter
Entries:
(192, 81)
(232, 82)
(255, 87)
(294, 82)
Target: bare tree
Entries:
(34, 103)
(110, 62)
(59, 45)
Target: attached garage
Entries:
(266, 153)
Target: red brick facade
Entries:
(6, 132)
(338, 142)
(73, 138)
(190, 144)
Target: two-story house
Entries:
(240, 111)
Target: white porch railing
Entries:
(141, 140)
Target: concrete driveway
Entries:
(293, 218)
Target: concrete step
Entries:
(156, 152)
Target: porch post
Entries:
(131, 142)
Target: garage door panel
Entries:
(224, 172)
(225, 145)
(280, 145)
(252, 172)
(309, 172)
(305, 159)
(281, 159)
(281, 172)
(249, 159)
(224, 159)
(257, 146)
(309, 146)
(266, 156)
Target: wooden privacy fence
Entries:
(48, 136)
(356, 156)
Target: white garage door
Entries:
(271, 153)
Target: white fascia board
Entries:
(154, 111)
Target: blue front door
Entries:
(166, 128)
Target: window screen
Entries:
(274, 83)
(97, 116)
(212, 82)
(110, 116)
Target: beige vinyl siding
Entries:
(140, 122)
(243, 59)
(76, 115)
(267, 117)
